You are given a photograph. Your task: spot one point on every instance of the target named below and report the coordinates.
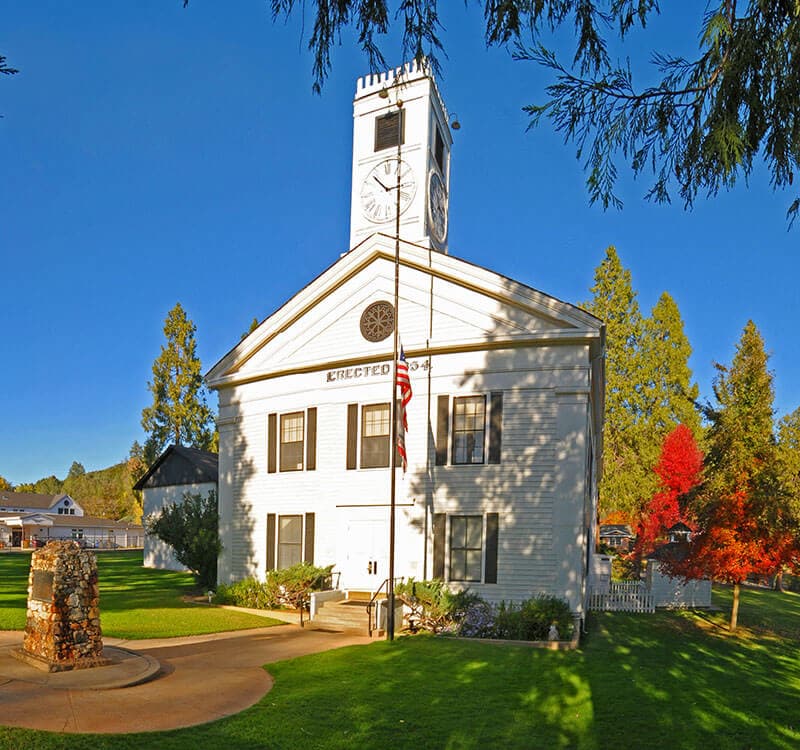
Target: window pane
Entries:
(290, 541)
(292, 429)
(474, 532)
(473, 565)
(466, 548)
(375, 435)
(469, 422)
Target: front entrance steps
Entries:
(345, 614)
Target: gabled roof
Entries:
(181, 465)
(26, 500)
(616, 529)
(446, 305)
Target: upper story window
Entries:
(375, 436)
(389, 128)
(369, 436)
(469, 429)
(292, 441)
(476, 424)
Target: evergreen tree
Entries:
(76, 470)
(668, 395)
(649, 388)
(789, 465)
(740, 438)
(740, 508)
(626, 481)
(179, 413)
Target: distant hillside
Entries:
(107, 493)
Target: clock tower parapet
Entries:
(421, 125)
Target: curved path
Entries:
(202, 678)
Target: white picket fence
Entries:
(624, 596)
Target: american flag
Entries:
(404, 384)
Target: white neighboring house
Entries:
(177, 470)
(28, 519)
(504, 436)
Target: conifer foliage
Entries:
(649, 388)
(746, 526)
(179, 413)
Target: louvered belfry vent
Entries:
(387, 130)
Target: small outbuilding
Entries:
(177, 471)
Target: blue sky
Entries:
(152, 154)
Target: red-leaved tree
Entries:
(679, 469)
(742, 513)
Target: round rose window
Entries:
(377, 321)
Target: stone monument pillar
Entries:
(63, 624)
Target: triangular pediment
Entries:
(445, 304)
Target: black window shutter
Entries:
(496, 427)
(309, 545)
(272, 443)
(439, 520)
(442, 429)
(270, 541)
(492, 533)
(311, 439)
(352, 435)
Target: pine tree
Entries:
(741, 511)
(740, 439)
(179, 413)
(789, 468)
(649, 388)
(626, 481)
(668, 394)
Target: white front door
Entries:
(364, 550)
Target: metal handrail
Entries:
(372, 603)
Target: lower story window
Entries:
(290, 541)
(466, 547)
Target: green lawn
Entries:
(670, 680)
(134, 602)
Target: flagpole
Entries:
(393, 403)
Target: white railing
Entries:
(623, 596)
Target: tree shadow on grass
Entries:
(685, 686)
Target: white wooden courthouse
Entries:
(504, 436)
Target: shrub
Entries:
(287, 588)
(436, 608)
(531, 620)
(190, 527)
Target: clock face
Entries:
(379, 190)
(437, 207)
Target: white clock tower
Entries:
(400, 123)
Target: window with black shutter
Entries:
(466, 548)
(469, 429)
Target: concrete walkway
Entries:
(202, 678)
